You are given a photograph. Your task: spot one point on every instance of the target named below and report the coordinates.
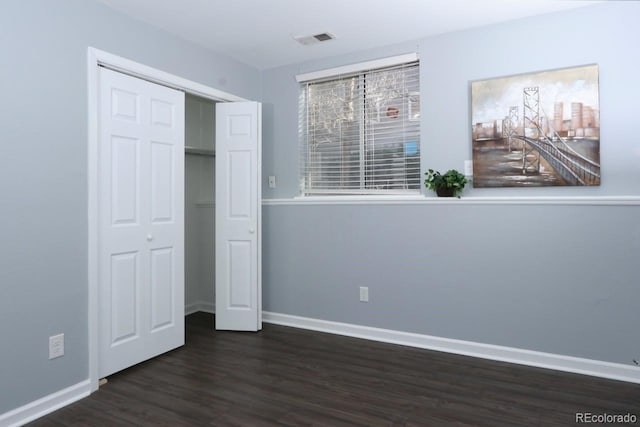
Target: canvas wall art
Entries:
(538, 129)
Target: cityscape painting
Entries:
(538, 129)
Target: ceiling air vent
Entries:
(316, 38)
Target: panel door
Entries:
(238, 216)
(141, 220)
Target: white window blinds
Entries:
(360, 133)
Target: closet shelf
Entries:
(199, 151)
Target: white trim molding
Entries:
(45, 405)
(354, 68)
(135, 69)
(424, 200)
(595, 368)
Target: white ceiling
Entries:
(260, 32)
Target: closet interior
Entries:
(199, 204)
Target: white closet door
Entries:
(238, 216)
(141, 220)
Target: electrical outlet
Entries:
(364, 294)
(272, 181)
(56, 346)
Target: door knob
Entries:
(149, 237)
(252, 230)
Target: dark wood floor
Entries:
(292, 377)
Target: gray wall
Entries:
(43, 174)
(559, 279)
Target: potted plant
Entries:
(449, 184)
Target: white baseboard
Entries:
(596, 368)
(197, 306)
(45, 405)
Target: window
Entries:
(360, 132)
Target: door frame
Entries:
(96, 58)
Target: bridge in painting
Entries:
(573, 167)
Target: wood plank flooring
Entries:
(293, 377)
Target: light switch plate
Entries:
(468, 167)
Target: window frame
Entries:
(339, 73)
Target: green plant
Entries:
(451, 181)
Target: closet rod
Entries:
(199, 151)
